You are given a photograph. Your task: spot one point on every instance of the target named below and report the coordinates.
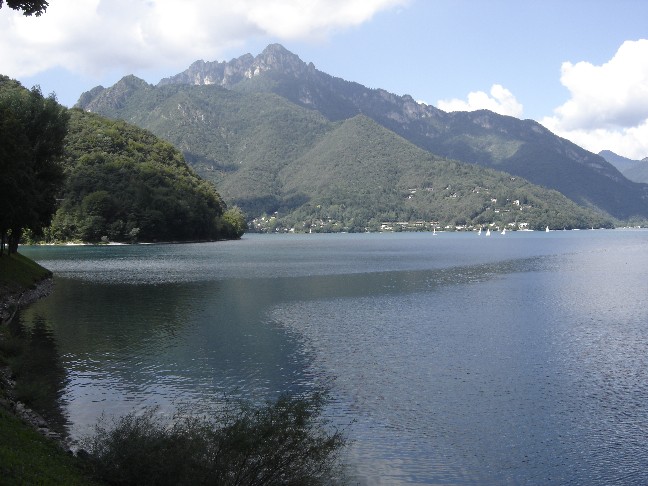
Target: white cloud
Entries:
(95, 36)
(300, 19)
(501, 101)
(608, 105)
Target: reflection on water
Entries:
(129, 346)
(459, 360)
(36, 364)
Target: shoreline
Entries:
(10, 304)
(122, 243)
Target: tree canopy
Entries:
(32, 132)
(27, 7)
(101, 180)
(124, 184)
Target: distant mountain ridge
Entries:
(521, 147)
(635, 170)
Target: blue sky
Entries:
(580, 66)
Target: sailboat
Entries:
(504, 231)
(434, 231)
(547, 229)
(479, 232)
(488, 232)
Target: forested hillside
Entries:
(268, 155)
(124, 184)
(361, 174)
(522, 148)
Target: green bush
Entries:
(285, 442)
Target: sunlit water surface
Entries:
(451, 359)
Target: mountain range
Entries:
(256, 127)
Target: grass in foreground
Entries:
(26, 457)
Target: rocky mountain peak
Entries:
(113, 97)
(275, 57)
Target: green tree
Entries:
(124, 184)
(234, 220)
(13, 174)
(33, 131)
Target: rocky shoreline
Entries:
(10, 304)
(26, 414)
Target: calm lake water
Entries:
(452, 359)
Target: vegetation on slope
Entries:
(26, 457)
(124, 184)
(17, 273)
(522, 148)
(240, 142)
(367, 166)
(268, 155)
(110, 181)
(282, 442)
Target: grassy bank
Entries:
(26, 457)
(18, 273)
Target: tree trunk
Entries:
(14, 238)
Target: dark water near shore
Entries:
(457, 359)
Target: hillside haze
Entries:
(635, 170)
(244, 124)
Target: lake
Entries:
(451, 358)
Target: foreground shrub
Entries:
(285, 442)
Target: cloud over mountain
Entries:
(608, 105)
(100, 35)
(500, 100)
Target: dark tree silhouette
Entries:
(28, 7)
(31, 146)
